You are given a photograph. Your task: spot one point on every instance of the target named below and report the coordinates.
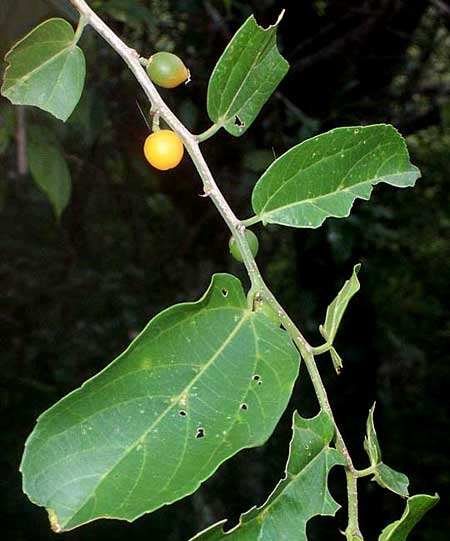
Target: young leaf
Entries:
(322, 177)
(245, 76)
(393, 480)
(416, 507)
(51, 173)
(300, 496)
(385, 476)
(371, 444)
(201, 382)
(337, 308)
(46, 69)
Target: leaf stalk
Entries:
(319, 350)
(251, 221)
(207, 134)
(366, 471)
(82, 23)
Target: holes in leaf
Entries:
(256, 377)
(225, 292)
(244, 407)
(238, 122)
(200, 433)
(182, 413)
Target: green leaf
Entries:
(245, 76)
(371, 444)
(201, 382)
(322, 177)
(393, 480)
(416, 507)
(337, 308)
(49, 170)
(46, 69)
(385, 476)
(300, 496)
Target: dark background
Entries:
(134, 241)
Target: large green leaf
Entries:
(323, 176)
(300, 496)
(415, 509)
(50, 172)
(384, 475)
(245, 76)
(202, 381)
(46, 69)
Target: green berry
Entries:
(167, 70)
(253, 242)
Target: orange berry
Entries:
(164, 149)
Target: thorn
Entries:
(143, 116)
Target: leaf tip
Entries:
(280, 17)
(271, 26)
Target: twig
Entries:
(21, 140)
(237, 228)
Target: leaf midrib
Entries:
(243, 398)
(132, 348)
(301, 171)
(225, 117)
(22, 80)
(375, 180)
(173, 404)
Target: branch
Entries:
(21, 141)
(259, 289)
